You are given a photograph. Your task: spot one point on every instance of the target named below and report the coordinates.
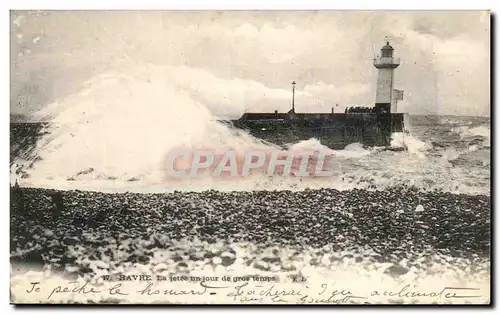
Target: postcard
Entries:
(250, 157)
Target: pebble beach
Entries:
(261, 232)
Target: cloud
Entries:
(328, 53)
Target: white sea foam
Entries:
(452, 121)
(412, 144)
(468, 131)
(354, 150)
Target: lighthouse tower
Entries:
(386, 63)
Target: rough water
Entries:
(387, 218)
(450, 154)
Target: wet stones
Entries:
(396, 270)
(48, 233)
(71, 241)
(385, 220)
(227, 258)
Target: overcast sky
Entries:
(445, 66)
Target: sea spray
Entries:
(122, 125)
(410, 143)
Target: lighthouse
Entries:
(386, 63)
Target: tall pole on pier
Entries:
(293, 96)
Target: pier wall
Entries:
(333, 130)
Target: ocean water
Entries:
(450, 154)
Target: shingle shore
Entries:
(52, 224)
